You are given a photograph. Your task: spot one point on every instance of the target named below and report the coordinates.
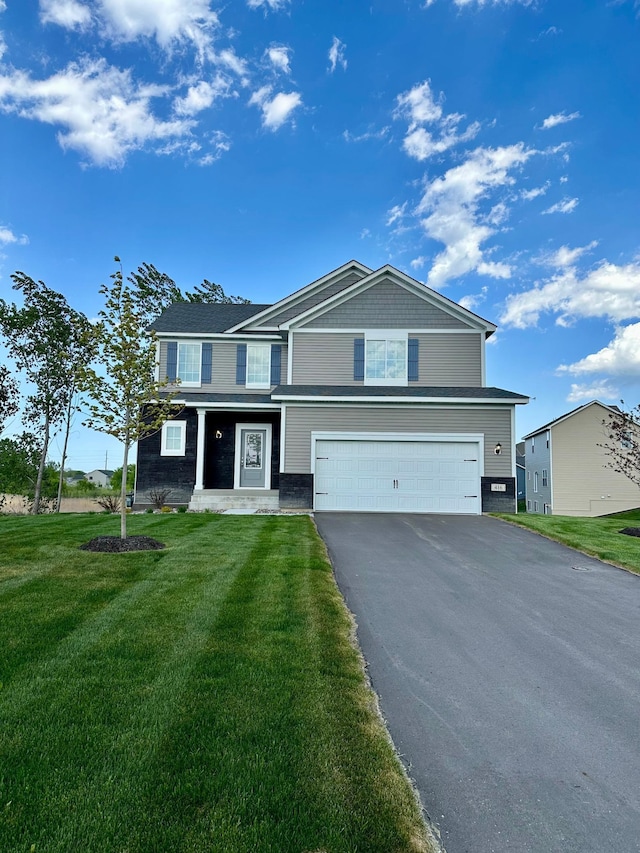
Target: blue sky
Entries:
(490, 149)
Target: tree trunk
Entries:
(41, 466)
(123, 489)
(64, 451)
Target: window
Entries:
(189, 364)
(545, 478)
(546, 509)
(535, 481)
(174, 434)
(533, 445)
(535, 506)
(547, 438)
(258, 366)
(529, 505)
(385, 358)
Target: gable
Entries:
(387, 305)
(311, 301)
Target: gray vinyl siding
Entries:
(536, 461)
(301, 421)
(386, 306)
(223, 368)
(326, 358)
(314, 299)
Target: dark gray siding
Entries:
(176, 473)
(536, 461)
(387, 306)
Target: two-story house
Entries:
(364, 390)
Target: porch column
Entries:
(202, 413)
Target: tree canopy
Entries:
(623, 442)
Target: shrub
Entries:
(109, 503)
(166, 509)
(158, 497)
(182, 508)
(149, 510)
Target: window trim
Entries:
(535, 482)
(166, 451)
(387, 335)
(545, 478)
(262, 385)
(184, 383)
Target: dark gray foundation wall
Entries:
(296, 491)
(497, 500)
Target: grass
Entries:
(598, 537)
(203, 698)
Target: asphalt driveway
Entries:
(508, 670)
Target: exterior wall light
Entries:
(497, 449)
(218, 433)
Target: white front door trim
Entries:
(238, 456)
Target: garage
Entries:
(398, 474)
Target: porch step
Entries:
(224, 499)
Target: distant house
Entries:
(567, 471)
(521, 474)
(100, 477)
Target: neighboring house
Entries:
(567, 470)
(100, 477)
(521, 474)
(364, 391)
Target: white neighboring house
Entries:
(567, 471)
(100, 477)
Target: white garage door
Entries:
(397, 476)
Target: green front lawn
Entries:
(203, 698)
(596, 536)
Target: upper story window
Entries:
(258, 365)
(189, 364)
(535, 481)
(545, 477)
(385, 358)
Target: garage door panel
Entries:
(402, 476)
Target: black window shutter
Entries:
(412, 361)
(207, 355)
(172, 361)
(276, 361)
(241, 364)
(358, 359)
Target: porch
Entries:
(219, 500)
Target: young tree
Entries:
(116, 478)
(623, 445)
(40, 337)
(125, 399)
(8, 396)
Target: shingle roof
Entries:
(203, 317)
(203, 398)
(397, 391)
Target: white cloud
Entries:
(220, 144)
(336, 55)
(566, 257)
(535, 192)
(277, 110)
(200, 96)
(367, 135)
(621, 357)
(420, 107)
(3, 45)
(396, 213)
(451, 204)
(559, 118)
(418, 263)
(274, 5)
(608, 290)
(566, 205)
(67, 13)
(3, 6)
(278, 56)
(463, 3)
(595, 391)
(7, 236)
(472, 300)
(232, 61)
(102, 112)
(167, 21)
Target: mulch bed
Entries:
(116, 545)
(630, 531)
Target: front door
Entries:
(253, 446)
